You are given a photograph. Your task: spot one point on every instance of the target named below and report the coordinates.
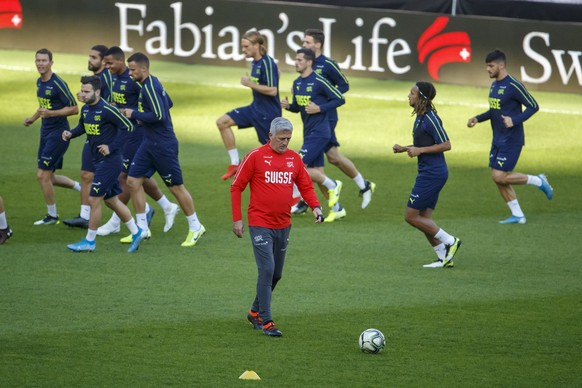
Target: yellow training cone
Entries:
(249, 375)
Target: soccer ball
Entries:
(372, 341)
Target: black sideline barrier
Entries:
(382, 44)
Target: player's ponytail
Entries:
(256, 38)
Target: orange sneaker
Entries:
(255, 320)
(230, 171)
(271, 330)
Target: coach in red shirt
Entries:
(271, 169)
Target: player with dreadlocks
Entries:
(430, 141)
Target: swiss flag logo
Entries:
(10, 14)
(438, 48)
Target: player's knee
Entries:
(499, 177)
(86, 176)
(223, 123)
(333, 159)
(43, 175)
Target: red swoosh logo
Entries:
(444, 48)
(10, 14)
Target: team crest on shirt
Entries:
(47, 92)
(97, 117)
(309, 89)
(290, 165)
(500, 91)
(122, 87)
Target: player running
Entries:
(506, 97)
(430, 142)
(158, 151)
(55, 103)
(102, 124)
(95, 64)
(329, 69)
(125, 94)
(314, 97)
(264, 83)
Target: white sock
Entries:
(444, 237)
(52, 210)
(77, 186)
(131, 225)
(91, 235)
(441, 251)
(193, 223)
(515, 208)
(164, 203)
(142, 221)
(234, 158)
(337, 207)
(360, 181)
(296, 192)
(534, 180)
(329, 183)
(85, 212)
(3, 222)
(114, 220)
(147, 208)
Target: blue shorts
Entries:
(425, 193)
(247, 117)
(51, 150)
(132, 142)
(333, 139)
(87, 158)
(504, 158)
(160, 158)
(312, 151)
(106, 181)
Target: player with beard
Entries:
(506, 97)
(102, 124)
(95, 64)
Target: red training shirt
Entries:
(271, 176)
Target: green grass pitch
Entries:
(508, 314)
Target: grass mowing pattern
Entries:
(507, 315)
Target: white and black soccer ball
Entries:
(372, 341)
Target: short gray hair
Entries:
(280, 124)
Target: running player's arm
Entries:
(433, 126)
(75, 132)
(333, 73)
(64, 111)
(263, 89)
(67, 99)
(122, 123)
(334, 97)
(29, 120)
(292, 106)
(153, 100)
(520, 93)
(267, 82)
